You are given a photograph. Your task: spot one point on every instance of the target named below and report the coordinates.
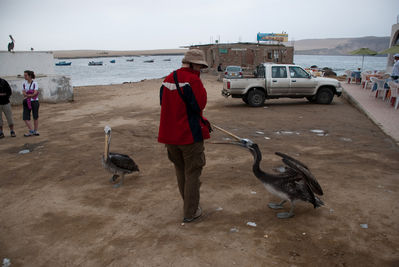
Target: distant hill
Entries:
(338, 46)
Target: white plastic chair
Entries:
(348, 74)
(364, 79)
(380, 88)
(394, 93)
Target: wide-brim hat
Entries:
(195, 56)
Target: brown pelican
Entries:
(11, 44)
(295, 183)
(115, 163)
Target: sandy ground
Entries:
(111, 53)
(58, 208)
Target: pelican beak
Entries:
(107, 130)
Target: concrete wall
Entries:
(392, 42)
(52, 88)
(12, 64)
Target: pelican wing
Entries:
(284, 156)
(308, 176)
(123, 161)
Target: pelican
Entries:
(295, 183)
(115, 163)
(11, 44)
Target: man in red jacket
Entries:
(183, 129)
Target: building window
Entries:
(269, 55)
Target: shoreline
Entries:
(74, 54)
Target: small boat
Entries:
(149, 61)
(63, 63)
(166, 59)
(130, 60)
(113, 61)
(95, 63)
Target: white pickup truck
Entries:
(279, 80)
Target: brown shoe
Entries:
(196, 216)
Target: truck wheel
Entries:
(245, 99)
(256, 98)
(311, 99)
(324, 96)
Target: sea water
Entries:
(123, 71)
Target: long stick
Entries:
(227, 132)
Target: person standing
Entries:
(30, 90)
(183, 129)
(5, 106)
(395, 69)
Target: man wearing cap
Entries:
(183, 129)
(395, 69)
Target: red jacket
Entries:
(179, 125)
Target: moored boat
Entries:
(95, 63)
(130, 60)
(113, 61)
(149, 61)
(63, 63)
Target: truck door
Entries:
(280, 83)
(302, 83)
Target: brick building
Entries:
(246, 55)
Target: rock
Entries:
(267, 138)
(234, 230)
(219, 209)
(329, 72)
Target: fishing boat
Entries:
(63, 63)
(95, 63)
(166, 59)
(130, 60)
(149, 61)
(113, 61)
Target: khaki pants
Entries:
(7, 111)
(189, 161)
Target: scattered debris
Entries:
(253, 192)
(322, 134)
(317, 131)
(265, 107)
(331, 210)
(259, 132)
(345, 139)
(234, 230)
(226, 139)
(380, 186)
(182, 224)
(6, 262)
(25, 151)
(267, 138)
(364, 225)
(219, 209)
(266, 236)
(252, 224)
(303, 233)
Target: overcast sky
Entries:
(152, 24)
